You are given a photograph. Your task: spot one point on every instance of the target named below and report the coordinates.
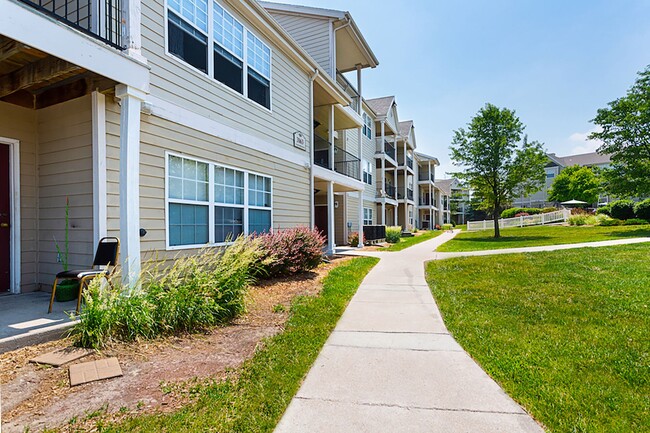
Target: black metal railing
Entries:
(374, 233)
(389, 149)
(346, 163)
(409, 162)
(425, 201)
(391, 191)
(424, 175)
(322, 152)
(409, 194)
(349, 89)
(101, 19)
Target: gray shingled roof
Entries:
(444, 185)
(380, 105)
(405, 127)
(588, 159)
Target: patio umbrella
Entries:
(574, 202)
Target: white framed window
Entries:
(367, 125)
(211, 204)
(367, 216)
(240, 60)
(367, 172)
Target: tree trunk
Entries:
(497, 231)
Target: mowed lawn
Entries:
(416, 239)
(566, 333)
(540, 235)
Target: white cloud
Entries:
(581, 142)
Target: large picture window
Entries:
(241, 60)
(212, 204)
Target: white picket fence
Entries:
(522, 221)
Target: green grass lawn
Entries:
(255, 398)
(566, 333)
(539, 235)
(409, 242)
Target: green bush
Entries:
(549, 209)
(604, 210)
(609, 221)
(578, 220)
(510, 213)
(447, 226)
(642, 209)
(197, 292)
(393, 234)
(622, 209)
(635, 222)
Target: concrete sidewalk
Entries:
(391, 366)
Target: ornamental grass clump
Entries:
(291, 251)
(393, 234)
(194, 294)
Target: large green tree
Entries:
(626, 137)
(496, 163)
(575, 182)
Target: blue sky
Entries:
(554, 62)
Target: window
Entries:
(367, 125)
(367, 216)
(241, 60)
(367, 172)
(212, 204)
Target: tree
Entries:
(495, 165)
(626, 138)
(575, 182)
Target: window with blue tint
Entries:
(259, 221)
(228, 185)
(259, 190)
(258, 58)
(187, 179)
(187, 31)
(228, 223)
(367, 125)
(188, 224)
(228, 32)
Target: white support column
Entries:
(383, 170)
(360, 219)
(99, 166)
(132, 12)
(130, 101)
(331, 136)
(331, 239)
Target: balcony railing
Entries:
(389, 192)
(344, 162)
(349, 89)
(425, 201)
(389, 149)
(423, 175)
(409, 162)
(409, 194)
(101, 19)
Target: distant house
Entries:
(554, 166)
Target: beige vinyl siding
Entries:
(339, 220)
(19, 123)
(353, 211)
(290, 181)
(368, 154)
(65, 170)
(313, 35)
(185, 86)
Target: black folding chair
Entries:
(108, 250)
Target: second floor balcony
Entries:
(344, 162)
(408, 196)
(100, 19)
(386, 148)
(409, 162)
(425, 176)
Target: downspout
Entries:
(312, 217)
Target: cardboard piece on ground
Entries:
(94, 370)
(61, 356)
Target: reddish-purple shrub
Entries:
(293, 250)
(520, 214)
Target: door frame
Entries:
(14, 202)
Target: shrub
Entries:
(549, 209)
(642, 209)
(604, 210)
(609, 221)
(635, 222)
(437, 227)
(447, 227)
(393, 234)
(622, 209)
(353, 239)
(197, 292)
(579, 211)
(578, 220)
(292, 251)
(509, 213)
(520, 214)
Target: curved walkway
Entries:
(391, 366)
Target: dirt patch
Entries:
(157, 374)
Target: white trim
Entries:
(99, 167)
(180, 115)
(14, 221)
(211, 203)
(19, 21)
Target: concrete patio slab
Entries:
(62, 356)
(94, 370)
(321, 416)
(423, 379)
(394, 340)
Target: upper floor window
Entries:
(367, 172)
(367, 125)
(241, 60)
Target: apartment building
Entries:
(458, 200)
(179, 125)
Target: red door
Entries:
(320, 219)
(5, 219)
